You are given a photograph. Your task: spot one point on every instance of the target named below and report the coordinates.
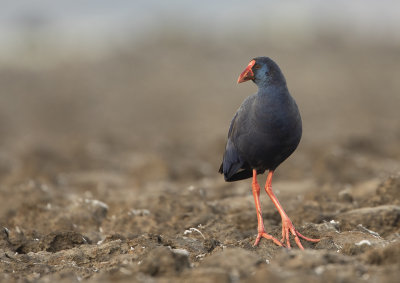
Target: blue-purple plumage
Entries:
(267, 127)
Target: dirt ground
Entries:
(108, 168)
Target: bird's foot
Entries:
(287, 228)
(262, 234)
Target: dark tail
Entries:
(240, 175)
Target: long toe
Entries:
(306, 238)
(288, 228)
(267, 236)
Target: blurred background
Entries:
(148, 88)
(113, 123)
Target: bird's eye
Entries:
(256, 66)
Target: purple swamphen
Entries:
(265, 131)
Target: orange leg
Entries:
(287, 225)
(261, 229)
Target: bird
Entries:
(264, 132)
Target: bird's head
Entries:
(263, 72)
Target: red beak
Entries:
(247, 74)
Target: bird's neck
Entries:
(275, 104)
(273, 92)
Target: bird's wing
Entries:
(232, 162)
(233, 166)
(232, 125)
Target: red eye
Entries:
(256, 66)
